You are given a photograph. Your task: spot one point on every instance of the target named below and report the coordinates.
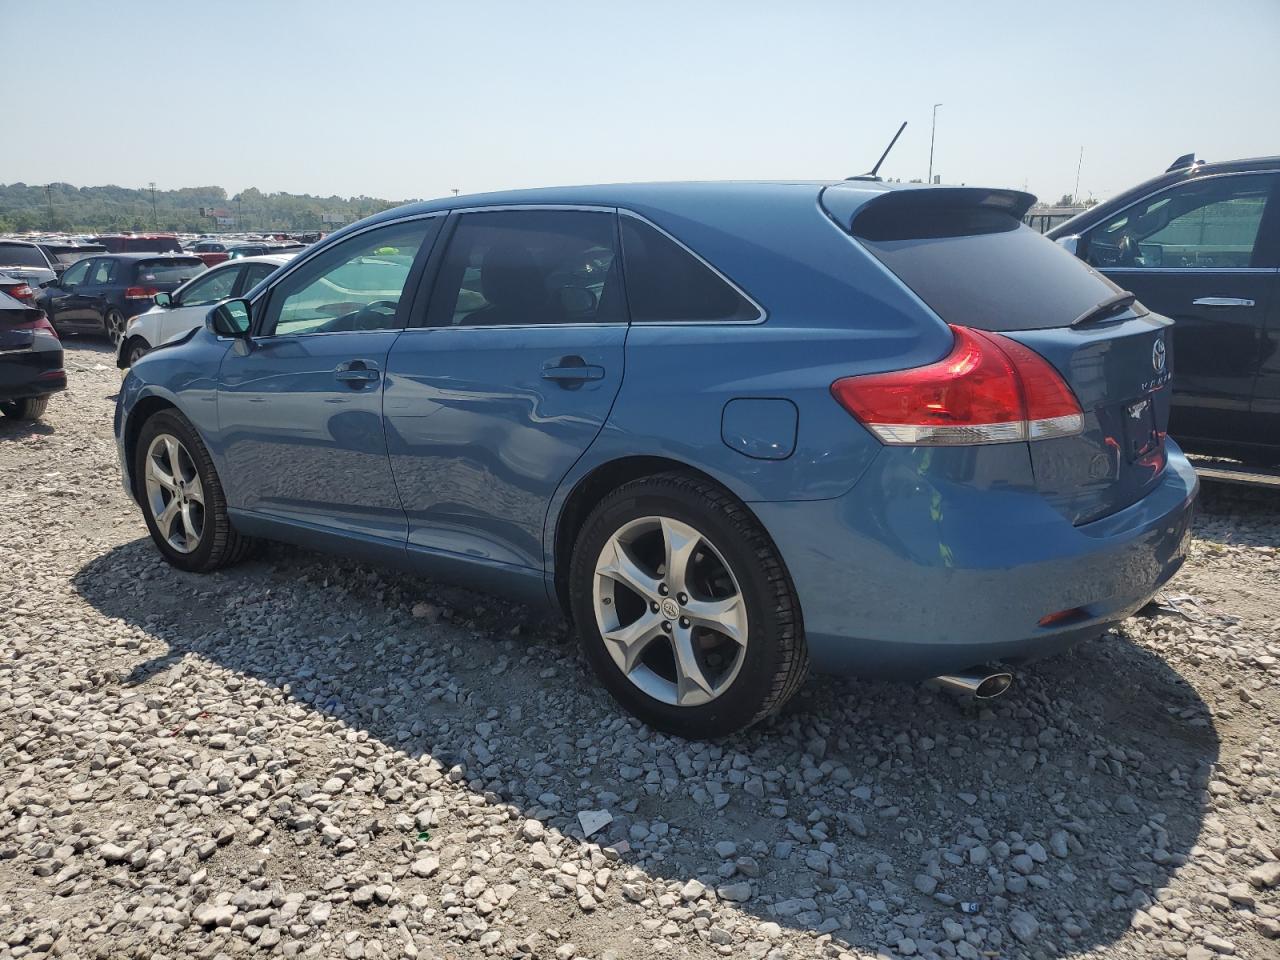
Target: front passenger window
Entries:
(75, 273)
(210, 288)
(1205, 224)
(356, 284)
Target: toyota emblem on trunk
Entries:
(1158, 355)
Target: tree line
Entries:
(65, 208)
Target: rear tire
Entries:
(729, 651)
(182, 498)
(113, 325)
(31, 408)
(136, 349)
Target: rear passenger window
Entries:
(521, 267)
(668, 284)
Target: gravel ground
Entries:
(308, 757)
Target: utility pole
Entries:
(1075, 197)
(155, 217)
(932, 131)
(455, 191)
(48, 193)
(239, 213)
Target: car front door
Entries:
(1192, 252)
(62, 299)
(504, 383)
(194, 300)
(300, 404)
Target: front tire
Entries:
(182, 498)
(31, 408)
(684, 609)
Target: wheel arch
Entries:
(143, 410)
(593, 487)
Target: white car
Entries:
(173, 315)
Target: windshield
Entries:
(21, 255)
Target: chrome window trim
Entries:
(1191, 270)
(594, 324)
(762, 316)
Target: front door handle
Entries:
(1221, 302)
(356, 373)
(571, 372)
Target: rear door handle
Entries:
(571, 372)
(356, 372)
(1222, 302)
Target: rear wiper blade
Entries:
(1106, 308)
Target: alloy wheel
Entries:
(175, 494)
(115, 327)
(670, 610)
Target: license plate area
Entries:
(1140, 434)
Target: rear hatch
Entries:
(166, 273)
(968, 256)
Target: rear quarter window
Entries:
(668, 284)
(982, 268)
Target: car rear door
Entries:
(92, 303)
(506, 382)
(300, 405)
(1191, 252)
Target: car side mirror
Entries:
(162, 299)
(46, 284)
(230, 318)
(1070, 244)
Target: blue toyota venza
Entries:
(730, 430)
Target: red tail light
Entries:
(988, 389)
(22, 291)
(140, 293)
(40, 324)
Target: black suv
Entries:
(1201, 243)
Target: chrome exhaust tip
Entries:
(978, 684)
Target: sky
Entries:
(399, 99)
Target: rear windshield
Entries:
(68, 257)
(21, 255)
(982, 268)
(148, 244)
(167, 271)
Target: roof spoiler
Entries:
(852, 211)
(1186, 160)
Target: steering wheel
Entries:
(1128, 251)
(374, 316)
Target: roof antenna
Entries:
(871, 175)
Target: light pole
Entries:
(932, 131)
(239, 211)
(155, 217)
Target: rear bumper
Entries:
(923, 568)
(31, 373)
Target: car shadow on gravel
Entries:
(874, 812)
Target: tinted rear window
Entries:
(147, 244)
(167, 271)
(21, 255)
(981, 268)
(666, 283)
